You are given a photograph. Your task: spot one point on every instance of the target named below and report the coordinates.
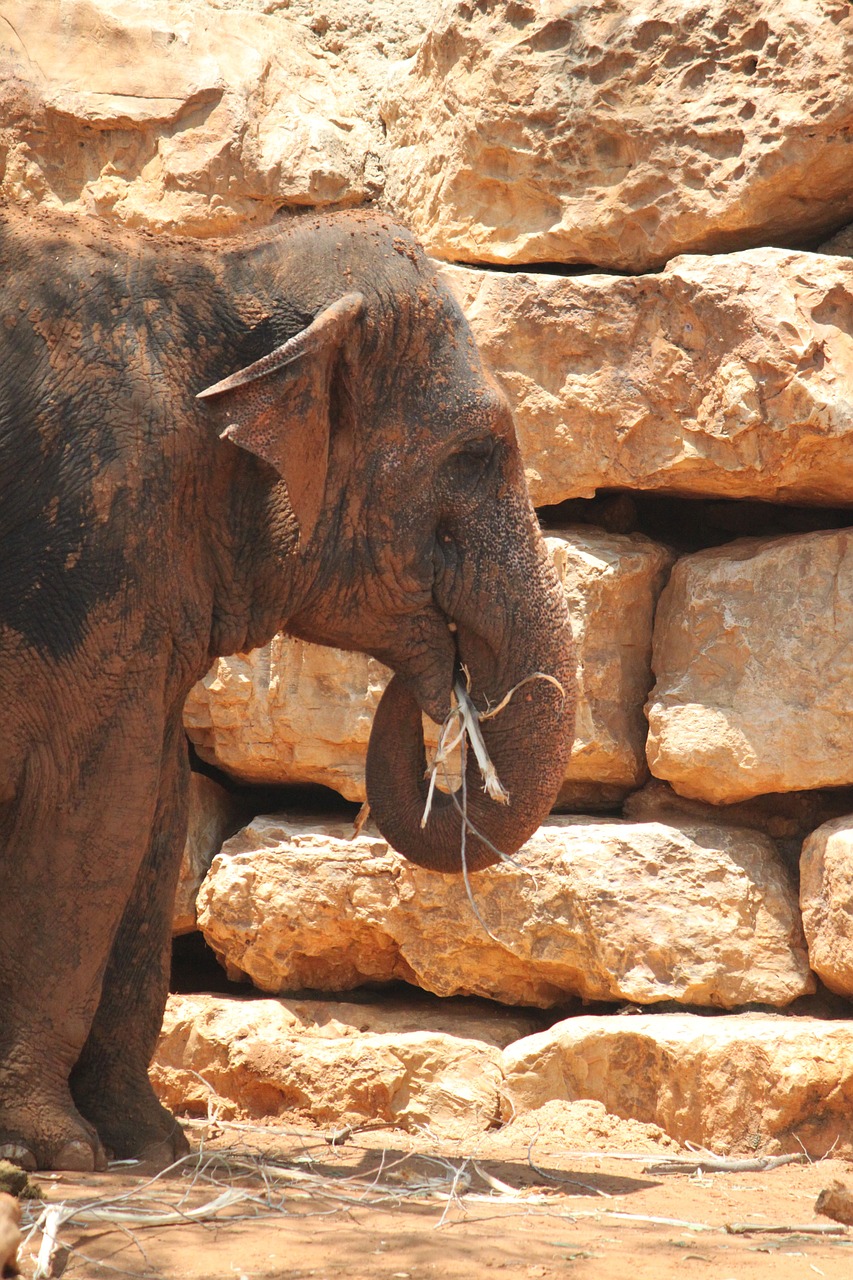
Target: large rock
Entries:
(289, 712)
(787, 817)
(295, 712)
(176, 115)
(722, 376)
(214, 814)
(753, 657)
(826, 899)
(335, 1063)
(620, 136)
(612, 583)
(750, 1083)
(603, 910)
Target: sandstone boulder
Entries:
(753, 657)
(561, 1128)
(787, 817)
(826, 899)
(841, 243)
(750, 1083)
(612, 583)
(297, 712)
(603, 910)
(620, 136)
(178, 116)
(335, 1063)
(214, 814)
(289, 712)
(721, 376)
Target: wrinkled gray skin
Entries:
(360, 487)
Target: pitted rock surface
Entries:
(604, 910)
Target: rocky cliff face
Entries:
(643, 213)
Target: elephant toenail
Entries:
(18, 1154)
(77, 1156)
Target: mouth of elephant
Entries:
(466, 658)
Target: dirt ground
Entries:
(566, 1192)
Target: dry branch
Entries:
(722, 1164)
(806, 1229)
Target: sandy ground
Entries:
(564, 1193)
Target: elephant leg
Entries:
(110, 1083)
(69, 857)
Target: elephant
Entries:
(203, 443)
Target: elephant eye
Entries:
(473, 455)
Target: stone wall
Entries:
(643, 213)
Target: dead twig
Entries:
(464, 720)
(537, 675)
(463, 849)
(339, 1136)
(642, 1217)
(360, 819)
(806, 1229)
(471, 726)
(722, 1164)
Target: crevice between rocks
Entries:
(808, 244)
(690, 524)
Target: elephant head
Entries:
(417, 542)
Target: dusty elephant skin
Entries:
(350, 474)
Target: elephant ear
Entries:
(279, 407)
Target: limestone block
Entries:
(603, 910)
(786, 817)
(559, 1127)
(720, 376)
(214, 814)
(826, 900)
(296, 712)
(751, 1083)
(334, 1062)
(841, 243)
(290, 712)
(178, 115)
(612, 583)
(618, 135)
(368, 36)
(753, 657)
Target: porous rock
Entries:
(725, 375)
(826, 900)
(561, 1126)
(787, 817)
(335, 1063)
(750, 1083)
(753, 657)
(612, 583)
(176, 115)
(214, 814)
(604, 910)
(619, 136)
(289, 712)
(296, 712)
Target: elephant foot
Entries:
(131, 1122)
(45, 1135)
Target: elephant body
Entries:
(202, 444)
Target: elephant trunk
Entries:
(529, 742)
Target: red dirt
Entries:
(379, 1206)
